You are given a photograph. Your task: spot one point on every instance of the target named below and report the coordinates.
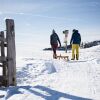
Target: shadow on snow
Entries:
(53, 94)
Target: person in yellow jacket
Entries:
(75, 42)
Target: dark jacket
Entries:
(54, 39)
(76, 38)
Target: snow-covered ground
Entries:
(42, 78)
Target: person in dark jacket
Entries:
(75, 42)
(54, 40)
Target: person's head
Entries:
(76, 31)
(66, 32)
(73, 30)
(53, 31)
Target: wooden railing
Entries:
(8, 55)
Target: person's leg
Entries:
(54, 47)
(77, 51)
(53, 50)
(54, 53)
(66, 47)
(73, 51)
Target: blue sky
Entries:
(35, 19)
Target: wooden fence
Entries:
(8, 55)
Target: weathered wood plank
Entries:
(1, 77)
(3, 81)
(3, 39)
(4, 71)
(11, 52)
(5, 44)
(3, 59)
(1, 65)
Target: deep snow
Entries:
(42, 78)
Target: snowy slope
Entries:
(43, 78)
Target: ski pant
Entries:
(66, 47)
(54, 48)
(75, 48)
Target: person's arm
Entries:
(71, 39)
(50, 39)
(80, 38)
(59, 40)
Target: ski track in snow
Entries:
(48, 79)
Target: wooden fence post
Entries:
(3, 52)
(4, 63)
(11, 52)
